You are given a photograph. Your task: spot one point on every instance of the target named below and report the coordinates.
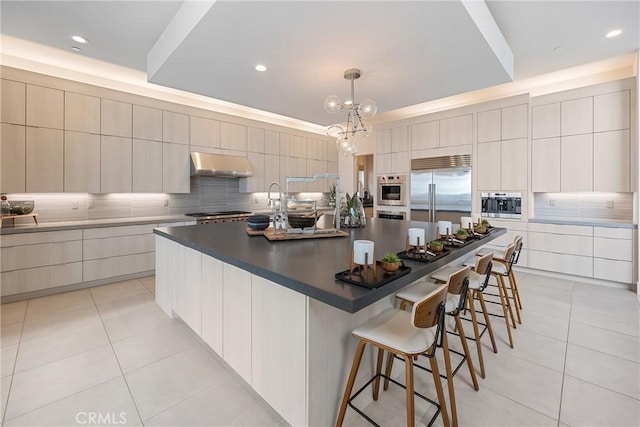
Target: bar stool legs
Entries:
(485, 313)
(352, 378)
(506, 307)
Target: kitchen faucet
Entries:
(270, 201)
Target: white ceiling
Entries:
(409, 52)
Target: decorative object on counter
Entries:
(436, 246)
(21, 207)
(390, 262)
(462, 234)
(332, 195)
(480, 229)
(5, 207)
(416, 241)
(445, 229)
(302, 220)
(466, 222)
(362, 256)
(258, 222)
(476, 218)
(485, 223)
(352, 212)
(382, 277)
(355, 123)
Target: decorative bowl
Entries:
(436, 248)
(255, 226)
(21, 207)
(258, 219)
(390, 267)
(299, 221)
(462, 237)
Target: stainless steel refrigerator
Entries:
(440, 194)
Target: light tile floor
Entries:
(110, 352)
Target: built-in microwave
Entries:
(502, 205)
(392, 190)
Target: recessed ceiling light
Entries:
(558, 49)
(261, 67)
(79, 39)
(76, 48)
(614, 33)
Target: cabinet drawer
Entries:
(616, 249)
(28, 256)
(508, 224)
(127, 230)
(117, 266)
(561, 244)
(613, 233)
(577, 230)
(618, 271)
(117, 246)
(33, 279)
(561, 263)
(36, 238)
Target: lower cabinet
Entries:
(212, 302)
(236, 321)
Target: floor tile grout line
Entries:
(15, 362)
(606, 354)
(566, 353)
(178, 403)
(603, 387)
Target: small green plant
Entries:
(332, 194)
(485, 223)
(461, 232)
(390, 257)
(435, 243)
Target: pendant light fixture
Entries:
(345, 135)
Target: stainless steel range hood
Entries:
(219, 165)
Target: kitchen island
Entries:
(274, 311)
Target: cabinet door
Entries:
(489, 162)
(81, 113)
(545, 165)
(322, 149)
(147, 123)
(212, 303)
(44, 161)
(576, 163)
(254, 183)
(12, 158)
(237, 320)
(286, 144)
(271, 142)
(489, 126)
(400, 162)
(175, 127)
(115, 164)
(545, 121)
(332, 151)
(576, 116)
(456, 130)
(300, 148)
(81, 162)
(513, 172)
(147, 166)
(612, 165)
(116, 118)
(176, 168)
(383, 163)
(611, 111)
(399, 139)
(12, 104)
(271, 170)
(312, 149)
(205, 132)
(45, 107)
(383, 141)
(233, 137)
(425, 135)
(515, 123)
(255, 140)
(300, 170)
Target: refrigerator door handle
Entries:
(433, 203)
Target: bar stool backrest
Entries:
(484, 265)
(427, 312)
(509, 254)
(518, 248)
(458, 284)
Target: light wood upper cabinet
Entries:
(147, 123)
(286, 144)
(45, 107)
(81, 113)
(147, 166)
(312, 148)
(383, 163)
(300, 147)
(425, 135)
(256, 182)
(489, 162)
(515, 122)
(399, 139)
(611, 111)
(271, 170)
(255, 140)
(576, 116)
(513, 176)
(383, 141)
(233, 137)
(115, 164)
(545, 121)
(271, 142)
(205, 132)
(12, 158)
(176, 168)
(321, 149)
(81, 162)
(175, 127)
(44, 160)
(13, 100)
(332, 152)
(115, 118)
(576, 163)
(612, 161)
(489, 126)
(456, 130)
(545, 165)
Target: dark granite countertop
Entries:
(308, 266)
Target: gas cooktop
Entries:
(219, 213)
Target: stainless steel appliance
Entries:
(501, 205)
(222, 216)
(441, 188)
(391, 215)
(223, 166)
(392, 190)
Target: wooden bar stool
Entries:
(404, 334)
(478, 281)
(457, 285)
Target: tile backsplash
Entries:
(207, 194)
(584, 206)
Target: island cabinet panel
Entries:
(81, 113)
(278, 348)
(166, 272)
(212, 303)
(545, 165)
(12, 104)
(187, 293)
(12, 158)
(115, 118)
(236, 346)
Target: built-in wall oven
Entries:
(391, 215)
(502, 205)
(392, 190)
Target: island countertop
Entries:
(308, 266)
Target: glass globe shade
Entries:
(368, 108)
(335, 131)
(332, 104)
(367, 128)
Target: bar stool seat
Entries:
(475, 279)
(497, 268)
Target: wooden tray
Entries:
(13, 218)
(284, 236)
(382, 277)
(423, 257)
(252, 232)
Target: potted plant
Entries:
(462, 234)
(480, 229)
(332, 195)
(436, 246)
(485, 223)
(352, 212)
(390, 262)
